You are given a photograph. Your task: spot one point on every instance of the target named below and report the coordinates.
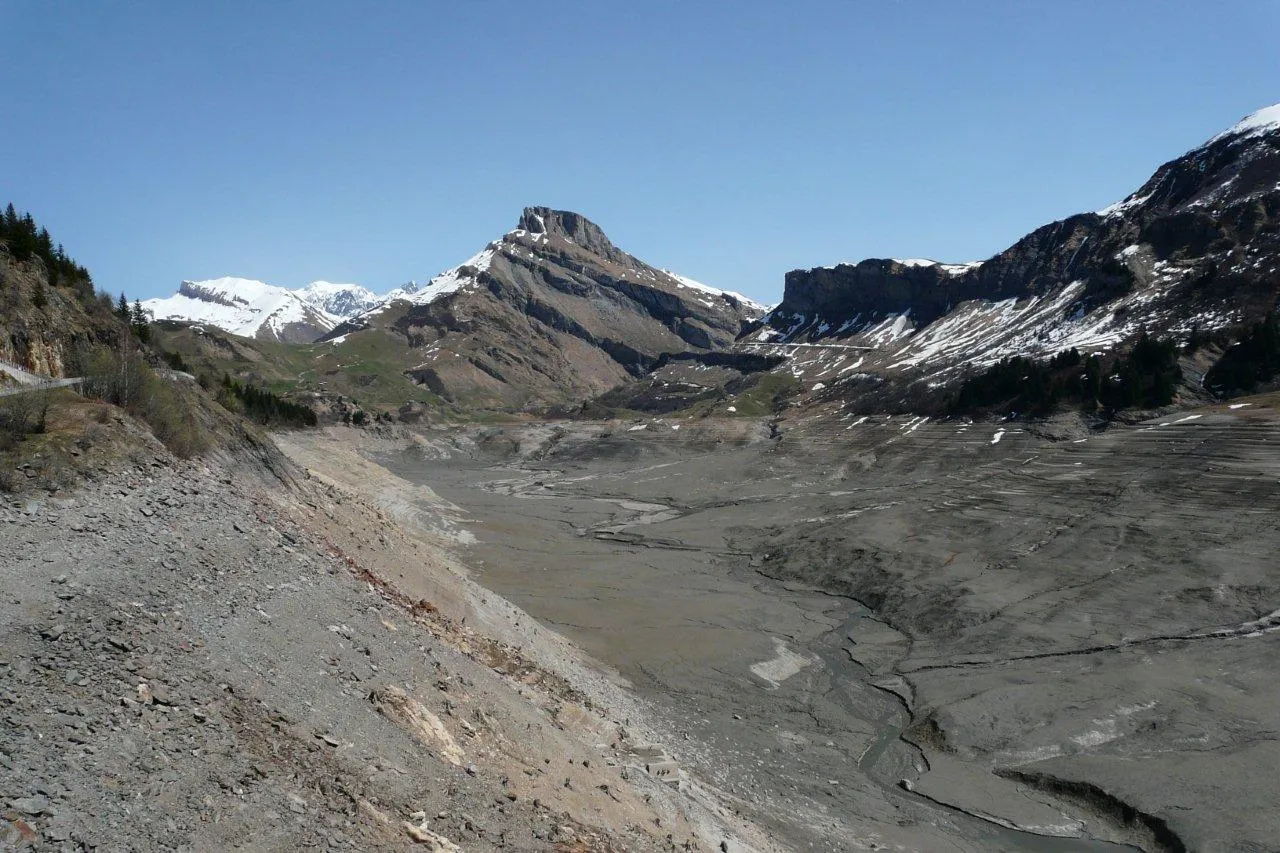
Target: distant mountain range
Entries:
(549, 313)
(552, 312)
(256, 309)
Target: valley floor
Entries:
(862, 634)
(902, 634)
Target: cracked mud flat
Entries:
(1076, 636)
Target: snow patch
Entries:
(686, 282)
(784, 664)
(1264, 120)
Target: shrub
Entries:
(120, 376)
(21, 415)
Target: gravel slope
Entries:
(196, 658)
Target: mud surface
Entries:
(917, 635)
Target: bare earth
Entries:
(912, 635)
(899, 635)
(198, 657)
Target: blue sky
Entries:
(729, 141)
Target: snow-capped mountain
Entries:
(1193, 250)
(256, 309)
(245, 307)
(338, 300)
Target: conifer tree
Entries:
(140, 321)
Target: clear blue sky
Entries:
(729, 141)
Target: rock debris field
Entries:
(194, 658)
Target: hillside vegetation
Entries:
(127, 405)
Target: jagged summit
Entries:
(573, 227)
(339, 300)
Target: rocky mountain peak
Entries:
(574, 228)
(338, 300)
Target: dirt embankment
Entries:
(198, 658)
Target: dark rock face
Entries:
(871, 288)
(549, 314)
(576, 229)
(1193, 248)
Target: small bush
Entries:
(22, 415)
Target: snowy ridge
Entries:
(915, 263)
(240, 306)
(1264, 120)
(949, 269)
(685, 282)
(450, 281)
(1122, 206)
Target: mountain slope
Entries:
(550, 313)
(1193, 250)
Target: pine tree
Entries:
(122, 309)
(140, 321)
